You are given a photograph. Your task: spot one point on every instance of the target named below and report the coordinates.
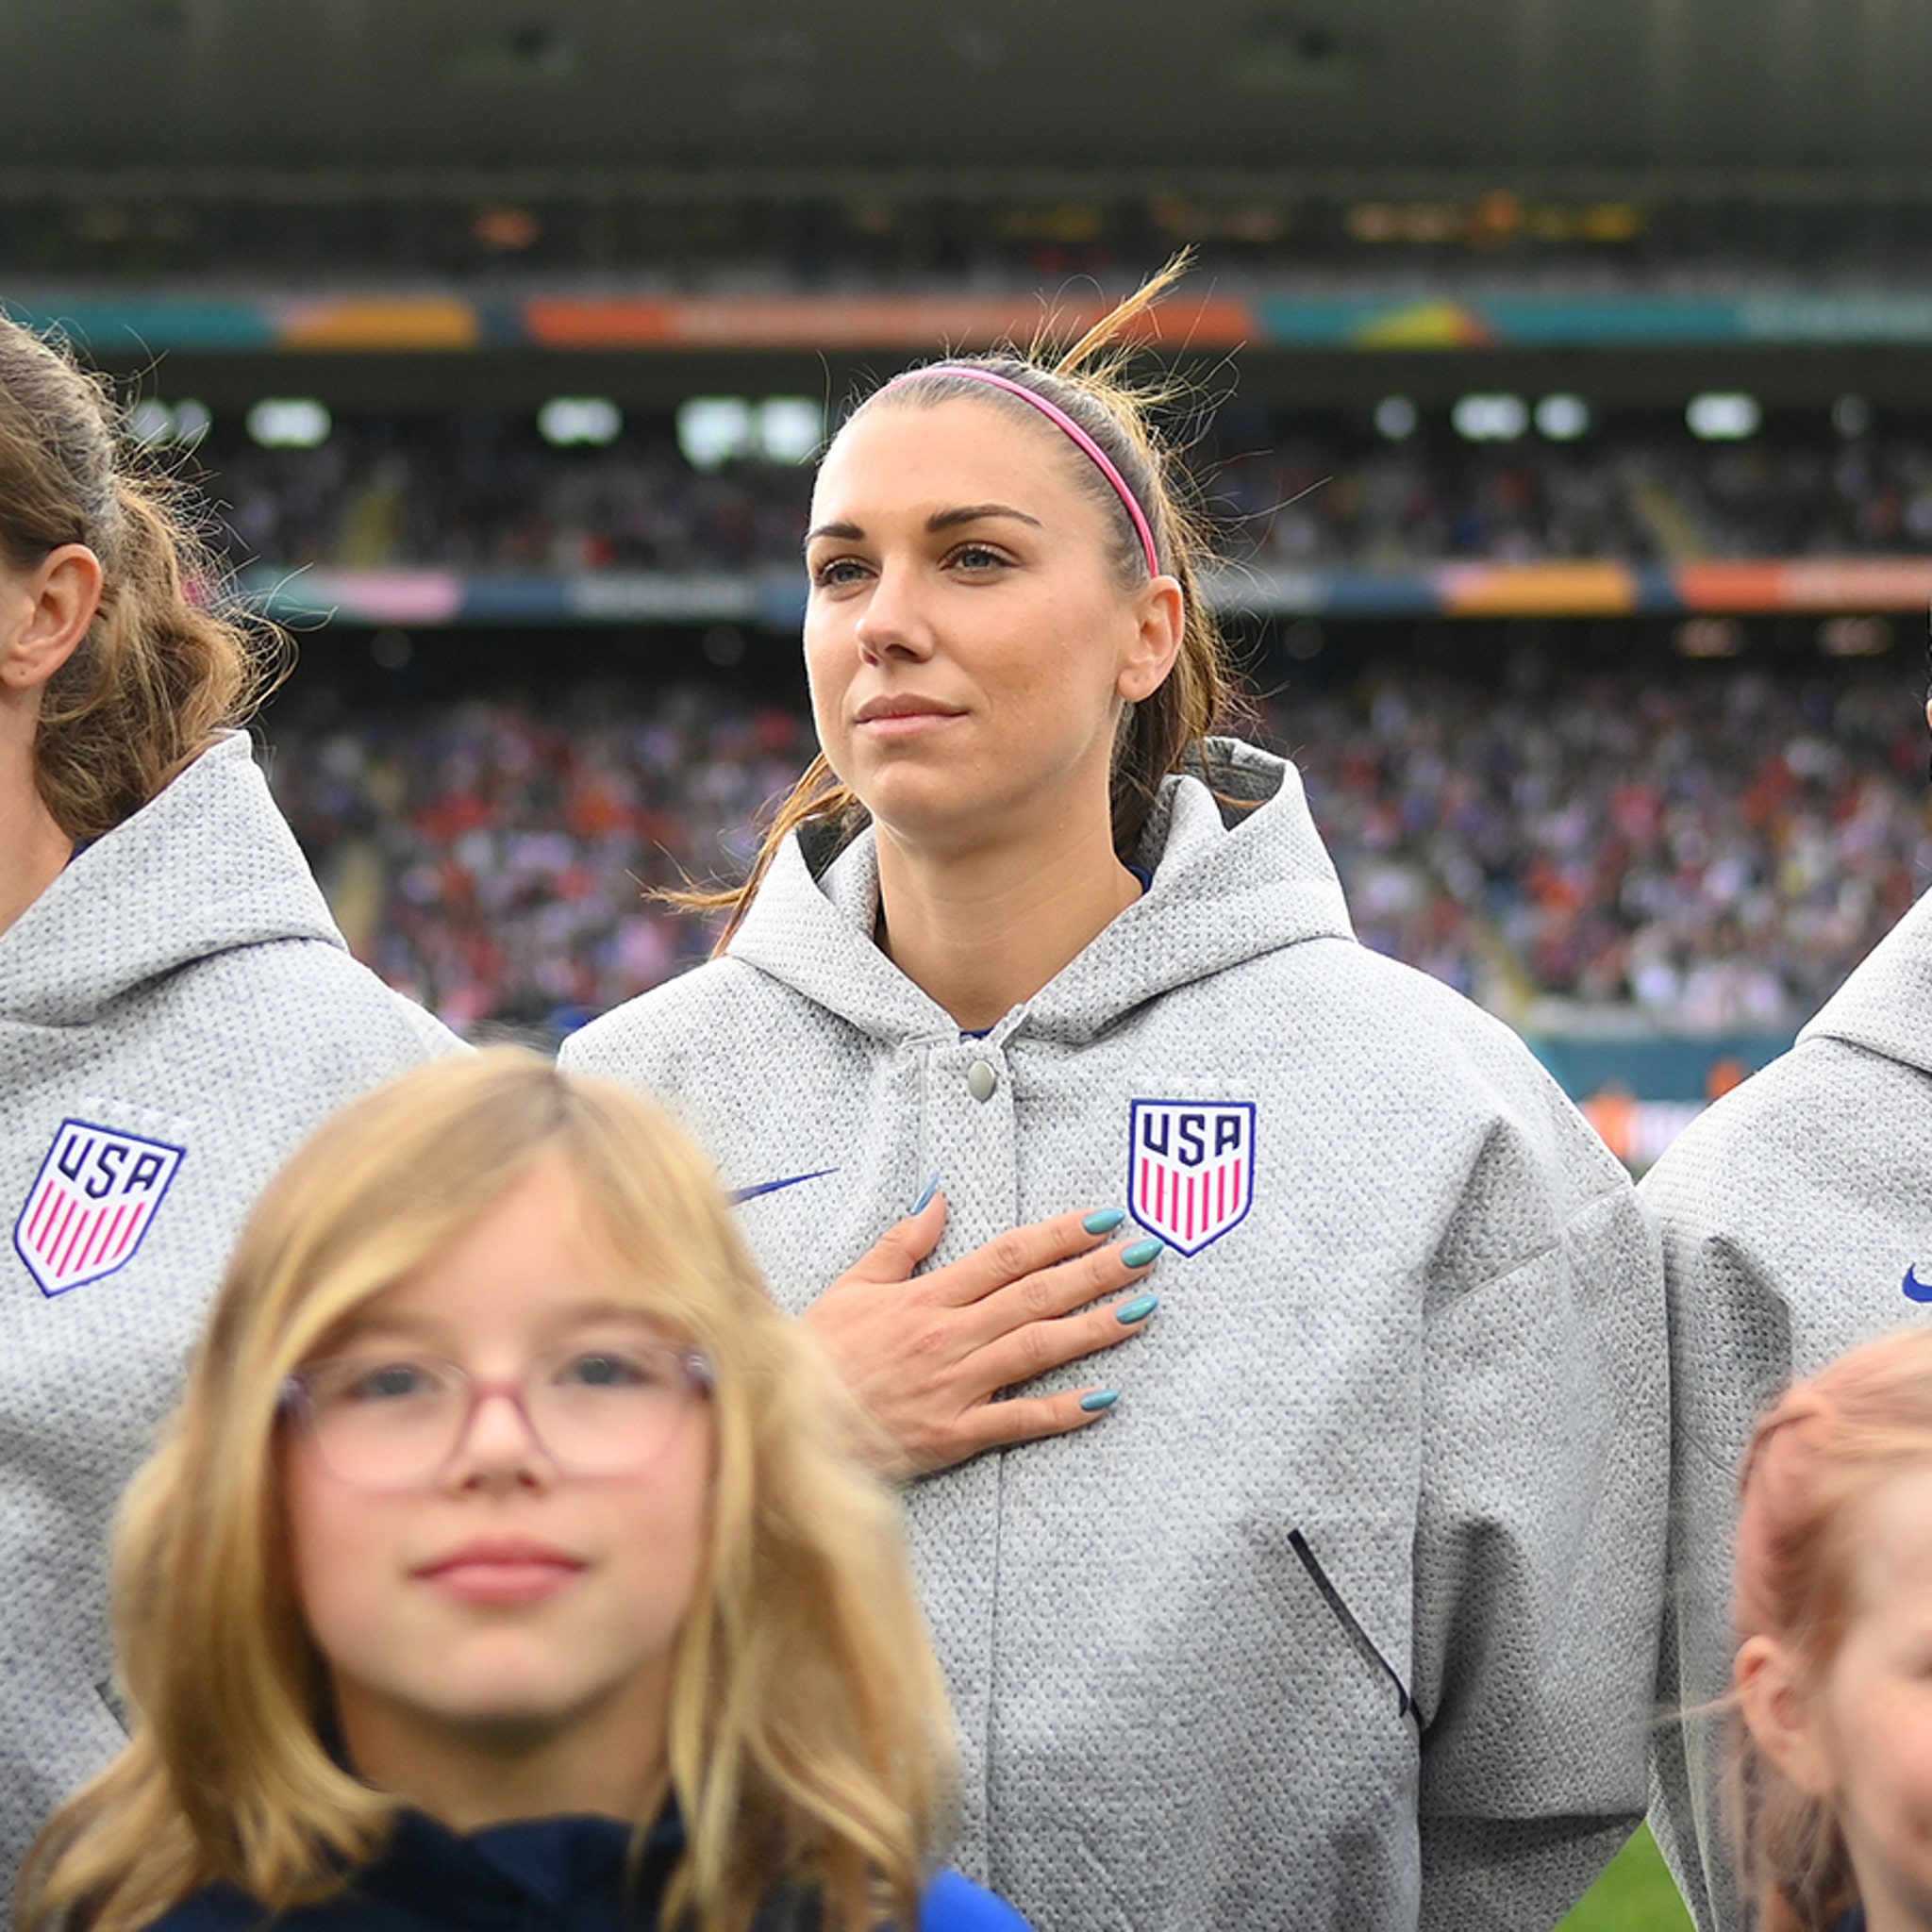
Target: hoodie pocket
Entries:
(1350, 1628)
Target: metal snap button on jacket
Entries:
(981, 1080)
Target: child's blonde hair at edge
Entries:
(1815, 1461)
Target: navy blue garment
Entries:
(566, 1874)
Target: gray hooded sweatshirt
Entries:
(1797, 1223)
(1345, 1617)
(176, 1011)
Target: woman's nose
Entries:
(893, 620)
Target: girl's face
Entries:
(968, 640)
(501, 1602)
(1860, 1734)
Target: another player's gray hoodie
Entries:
(1797, 1221)
(1346, 1616)
(176, 1011)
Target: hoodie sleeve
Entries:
(1731, 1350)
(1708, 1286)
(1539, 1548)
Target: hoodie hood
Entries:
(1238, 871)
(207, 866)
(1885, 1005)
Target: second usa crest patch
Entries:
(92, 1204)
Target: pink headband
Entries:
(1058, 417)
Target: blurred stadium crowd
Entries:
(1716, 850)
(480, 490)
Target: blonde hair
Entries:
(1815, 1461)
(809, 1740)
(158, 675)
(1165, 732)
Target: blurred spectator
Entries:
(497, 865)
(1714, 852)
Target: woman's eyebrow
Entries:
(939, 520)
(973, 512)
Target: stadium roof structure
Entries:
(1793, 99)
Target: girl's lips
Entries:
(508, 1573)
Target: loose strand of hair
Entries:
(1109, 331)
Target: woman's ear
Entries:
(1781, 1713)
(44, 613)
(1157, 641)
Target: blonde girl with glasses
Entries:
(500, 1567)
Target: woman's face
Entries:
(1860, 1735)
(502, 1599)
(968, 639)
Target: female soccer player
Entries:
(177, 1009)
(1344, 1613)
(501, 1568)
(1797, 1223)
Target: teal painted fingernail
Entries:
(1142, 1253)
(924, 1201)
(1104, 1220)
(1101, 1398)
(1136, 1310)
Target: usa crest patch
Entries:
(1190, 1167)
(92, 1204)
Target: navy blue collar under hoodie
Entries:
(541, 1874)
(528, 1876)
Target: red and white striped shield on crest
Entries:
(1191, 1168)
(92, 1204)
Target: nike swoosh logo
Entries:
(1917, 1291)
(738, 1195)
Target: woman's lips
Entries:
(894, 718)
(501, 1573)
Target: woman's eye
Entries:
(837, 571)
(978, 557)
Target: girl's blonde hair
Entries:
(1815, 1461)
(1163, 733)
(158, 676)
(809, 1738)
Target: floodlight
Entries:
(289, 423)
(1396, 418)
(790, 428)
(1490, 418)
(151, 422)
(1724, 416)
(1563, 418)
(566, 420)
(713, 429)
